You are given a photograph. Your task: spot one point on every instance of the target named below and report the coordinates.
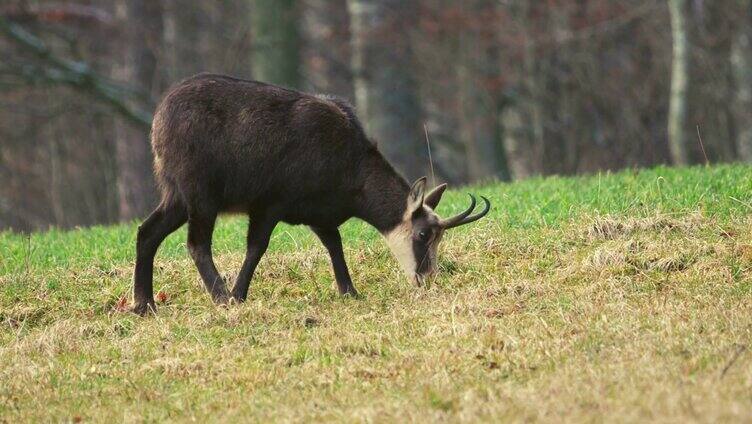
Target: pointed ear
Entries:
(434, 197)
(417, 193)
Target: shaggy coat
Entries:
(224, 144)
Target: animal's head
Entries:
(415, 240)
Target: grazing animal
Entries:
(223, 144)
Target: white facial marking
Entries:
(399, 241)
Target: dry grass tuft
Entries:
(610, 228)
(655, 244)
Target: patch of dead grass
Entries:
(640, 321)
(610, 228)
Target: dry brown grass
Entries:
(617, 319)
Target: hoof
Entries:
(237, 298)
(141, 309)
(351, 292)
(221, 299)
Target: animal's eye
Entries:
(424, 235)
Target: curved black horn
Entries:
(455, 220)
(463, 218)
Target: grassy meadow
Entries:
(619, 297)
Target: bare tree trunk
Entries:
(677, 119)
(143, 36)
(185, 29)
(479, 126)
(326, 25)
(522, 117)
(516, 139)
(713, 30)
(276, 42)
(741, 62)
(385, 86)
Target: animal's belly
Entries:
(296, 213)
(314, 218)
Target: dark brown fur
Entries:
(229, 145)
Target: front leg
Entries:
(333, 243)
(200, 229)
(259, 233)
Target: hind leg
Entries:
(167, 218)
(200, 229)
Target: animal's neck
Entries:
(384, 195)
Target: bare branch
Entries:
(75, 74)
(58, 12)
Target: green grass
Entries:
(620, 296)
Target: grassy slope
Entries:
(616, 296)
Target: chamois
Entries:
(223, 144)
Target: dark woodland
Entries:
(505, 89)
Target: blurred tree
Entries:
(385, 85)
(143, 35)
(522, 117)
(434, 43)
(741, 61)
(326, 29)
(713, 27)
(276, 42)
(677, 120)
(477, 70)
(57, 155)
(207, 37)
(186, 30)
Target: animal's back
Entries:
(244, 142)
